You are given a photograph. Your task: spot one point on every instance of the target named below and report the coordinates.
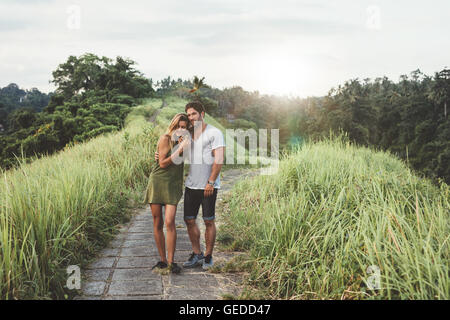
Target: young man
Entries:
(202, 184)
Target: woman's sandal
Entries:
(160, 265)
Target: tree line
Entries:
(409, 118)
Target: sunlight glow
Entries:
(280, 73)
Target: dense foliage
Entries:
(408, 118)
(93, 96)
(13, 98)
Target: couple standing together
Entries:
(187, 137)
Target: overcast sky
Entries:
(294, 47)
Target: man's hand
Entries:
(209, 189)
(156, 156)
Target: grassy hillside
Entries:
(332, 210)
(312, 229)
(59, 210)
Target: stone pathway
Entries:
(123, 270)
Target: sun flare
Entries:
(281, 74)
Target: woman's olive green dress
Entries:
(165, 185)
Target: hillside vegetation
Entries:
(61, 209)
(332, 210)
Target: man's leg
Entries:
(210, 236)
(209, 211)
(192, 203)
(194, 235)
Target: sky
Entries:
(283, 47)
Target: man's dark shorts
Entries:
(193, 198)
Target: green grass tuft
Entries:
(333, 210)
(60, 210)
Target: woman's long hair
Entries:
(174, 125)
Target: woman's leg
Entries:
(171, 230)
(158, 231)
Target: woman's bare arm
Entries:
(163, 150)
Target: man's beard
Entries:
(197, 123)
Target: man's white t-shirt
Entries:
(201, 160)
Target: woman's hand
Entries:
(184, 142)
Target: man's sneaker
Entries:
(160, 265)
(194, 260)
(174, 268)
(208, 262)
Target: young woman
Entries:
(165, 187)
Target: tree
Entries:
(439, 92)
(91, 73)
(21, 119)
(198, 83)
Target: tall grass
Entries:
(59, 210)
(333, 210)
